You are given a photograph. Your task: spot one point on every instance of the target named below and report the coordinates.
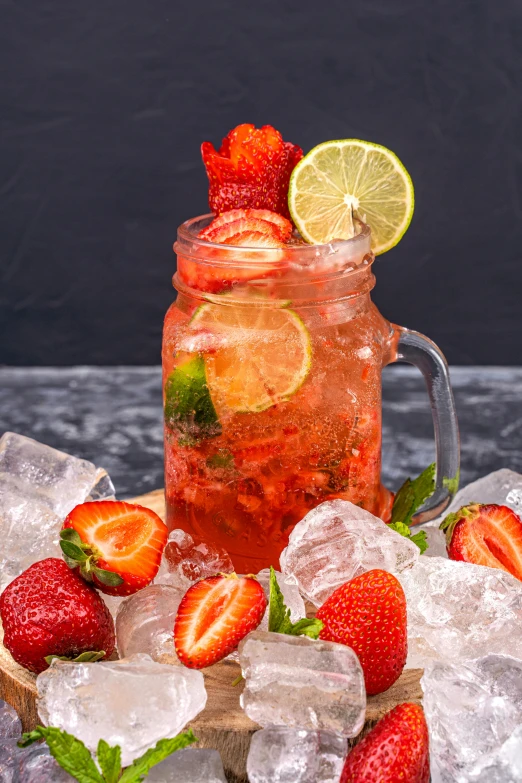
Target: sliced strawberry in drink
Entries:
(281, 223)
(213, 617)
(252, 169)
(255, 239)
(488, 535)
(244, 231)
(116, 545)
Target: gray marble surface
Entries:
(112, 416)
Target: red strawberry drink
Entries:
(272, 360)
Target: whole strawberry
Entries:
(214, 615)
(488, 535)
(50, 610)
(395, 751)
(368, 614)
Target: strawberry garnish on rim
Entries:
(247, 220)
(395, 751)
(252, 168)
(485, 534)
(116, 545)
(214, 615)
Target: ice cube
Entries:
(301, 683)
(291, 596)
(474, 715)
(132, 703)
(282, 755)
(503, 487)
(9, 755)
(39, 486)
(337, 541)
(10, 725)
(458, 611)
(145, 622)
(190, 765)
(36, 765)
(185, 561)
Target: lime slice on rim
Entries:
(260, 356)
(338, 179)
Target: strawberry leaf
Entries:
(73, 552)
(279, 615)
(109, 760)
(108, 578)
(165, 747)
(70, 534)
(70, 753)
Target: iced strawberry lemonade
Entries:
(273, 350)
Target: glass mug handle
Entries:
(414, 348)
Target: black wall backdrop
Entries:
(104, 105)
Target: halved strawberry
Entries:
(281, 223)
(116, 545)
(214, 615)
(489, 535)
(251, 169)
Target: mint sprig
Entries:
(410, 497)
(279, 615)
(74, 757)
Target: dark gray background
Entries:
(104, 106)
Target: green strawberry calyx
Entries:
(449, 522)
(85, 557)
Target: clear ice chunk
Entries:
(10, 724)
(292, 596)
(185, 561)
(474, 715)
(301, 683)
(39, 486)
(458, 611)
(190, 765)
(336, 542)
(132, 703)
(29, 765)
(36, 765)
(145, 622)
(503, 487)
(282, 755)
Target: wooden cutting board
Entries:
(222, 725)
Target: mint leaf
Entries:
(109, 760)
(165, 747)
(188, 404)
(421, 540)
(84, 657)
(222, 459)
(412, 495)
(70, 753)
(279, 616)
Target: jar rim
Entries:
(298, 256)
